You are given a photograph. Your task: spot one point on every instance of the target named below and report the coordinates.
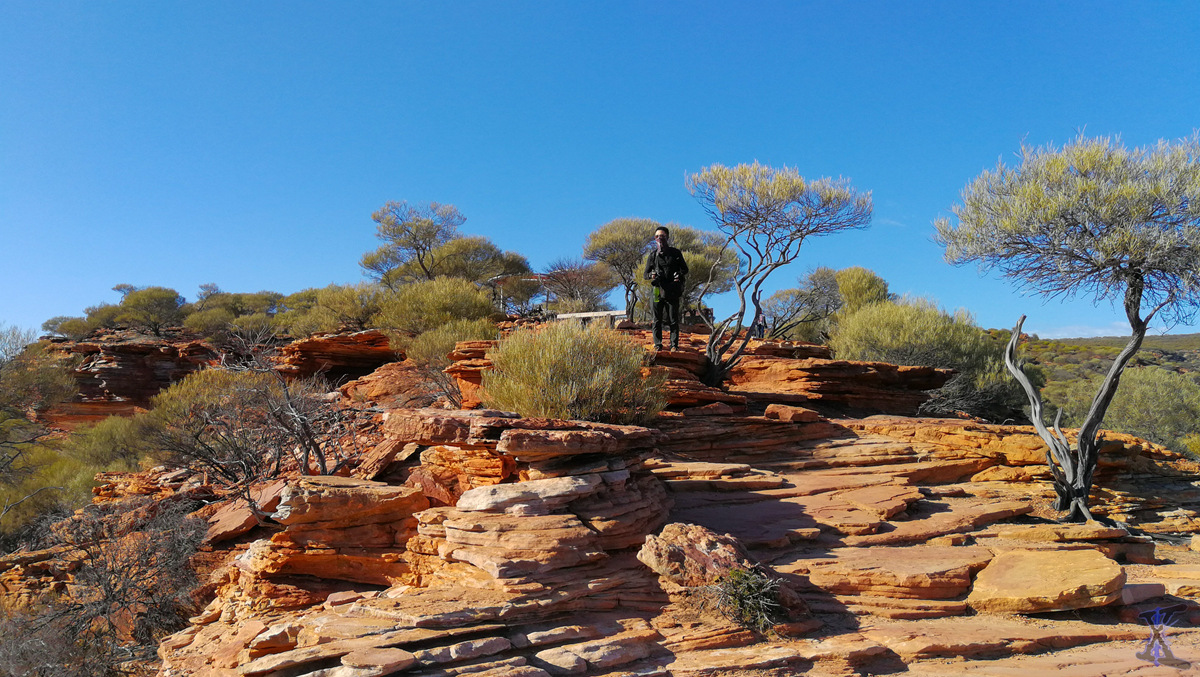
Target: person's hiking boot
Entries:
(674, 347)
(658, 347)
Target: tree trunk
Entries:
(1073, 466)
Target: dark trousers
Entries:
(666, 310)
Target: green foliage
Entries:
(859, 287)
(621, 245)
(568, 372)
(33, 474)
(1152, 403)
(432, 347)
(748, 598)
(430, 352)
(766, 214)
(210, 321)
(476, 259)
(418, 307)
(350, 306)
(152, 308)
(104, 315)
(1093, 218)
(115, 443)
(325, 309)
(410, 235)
(917, 332)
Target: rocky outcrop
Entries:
(769, 372)
(120, 370)
(479, 542)
(859, 387)
(338, 357)
(539, 517)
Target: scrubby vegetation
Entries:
(565, 371)
(132, 586)
(748, 598)
(34, 474)
(917, 332)
(430, 352)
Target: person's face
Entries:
(660, 237)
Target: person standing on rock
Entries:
(666, 270)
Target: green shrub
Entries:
(858, 288)
(418, 307)
(209, 322)
(1152, 403)
(748, 598)
(106, 315)
(917, 332)
(116, 443)
(432, 347)
(567, 372)
(430, 351)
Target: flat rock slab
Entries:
(963, 515)
(1033, 581)
(1113, 659)
(989, 636)
(1058, 533)
(758, 524)
(912, 572)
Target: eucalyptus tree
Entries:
(621, 244)
(1096, 219)
(410, 234)
(789, 311)
(766, 214)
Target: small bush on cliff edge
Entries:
(568, 372)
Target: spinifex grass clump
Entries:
(748, 598)
(568, 372)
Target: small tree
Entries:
(410, 235)
(152, 308)
(621, 244)
(812, 303)
(578, 286)
(859, 287)
(766, 214)
(416, 308)
(1093, 218)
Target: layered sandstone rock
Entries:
(120, 370)
(870, 387)
(337, 356)
(339, 528)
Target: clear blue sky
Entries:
(178, 143)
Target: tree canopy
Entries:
(1092, 218)
(621, 244)
(410, 235)
(766, 214)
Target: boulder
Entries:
(1035, 581)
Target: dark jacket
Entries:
(668, 264)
